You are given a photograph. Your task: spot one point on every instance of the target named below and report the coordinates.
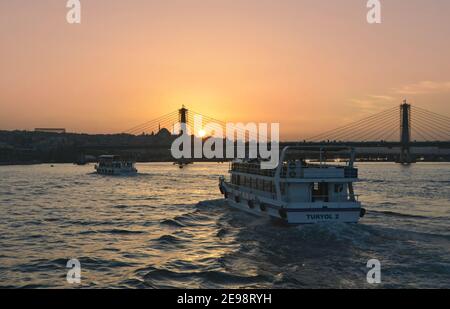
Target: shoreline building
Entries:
(50, 130)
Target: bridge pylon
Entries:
(182, 112)
(405, 133)
(183, 119)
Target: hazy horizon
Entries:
(309, 65)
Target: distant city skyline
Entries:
(309, 65)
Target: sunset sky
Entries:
(310, 65)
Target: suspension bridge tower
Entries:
(183, 118)
(405, 133)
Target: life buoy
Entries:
(362, 212)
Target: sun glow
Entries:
(201, 133)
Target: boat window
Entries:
(320, 191)
(338, 188)
(323, 188)
(315, 189)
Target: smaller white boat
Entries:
(115, 165)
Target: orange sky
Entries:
(310, 65)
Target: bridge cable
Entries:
(442, 125)
(432, 125)
(425, 131)
(361, 128)
(425, 125)
(353, 124)
(151, 122)
(363, 133)
(446, 118)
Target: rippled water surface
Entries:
(168, 227)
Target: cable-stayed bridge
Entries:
(402, 133)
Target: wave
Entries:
(222, 232)
(176, 279)
(122, 231)
(84, 222)
(121, 206)
(439, 181)
(172, 222)
(363, 235)
(169, 239)
(112, 231)
(3, 193)
(195, 218)
(398, 214)
(375, 180)
(210, 203)
(45, 265)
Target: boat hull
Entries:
(302, 216)
(116, 172)
(310, 213)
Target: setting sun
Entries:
(201, 133)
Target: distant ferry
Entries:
(115, 165)
(182, 163)
(297, 192)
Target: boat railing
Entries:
(349, 172)
(272, 195)
(268, 173)
(327, 198)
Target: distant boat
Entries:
(85, 159)
(298, 192)
(115, 165)
(182, 163)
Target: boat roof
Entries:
(108, 156)
(303, 153)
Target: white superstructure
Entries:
(297, 191)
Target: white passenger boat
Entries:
(297, 191)
(115, 165)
